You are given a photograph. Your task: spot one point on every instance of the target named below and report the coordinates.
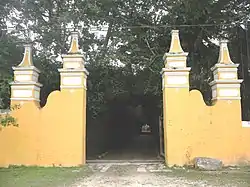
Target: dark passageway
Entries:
(129, 131)
(140, 147)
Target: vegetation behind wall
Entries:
(139, 49)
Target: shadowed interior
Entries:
(129, 130)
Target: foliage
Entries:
(129, 41)
(4, 91)
(6, 119)
(125, 64)
(10, 54)
(49, 76)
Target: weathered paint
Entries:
(50, 136)
(193, 129)
(55, 135)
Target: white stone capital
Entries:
(25, 69)
(224, 67)
(226, 82)
(74, 71)
(73, 78)
(167, 71)
(175, 78)
(226, 89)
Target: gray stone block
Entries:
(207, 164)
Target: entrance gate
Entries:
(55, 135)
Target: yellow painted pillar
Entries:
(226, 113)
(225, 85)
(74, 86)
(175, 85)
(25, 87)
(226, 89)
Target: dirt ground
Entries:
(157, 175)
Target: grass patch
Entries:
(40, 176)
(236, 177)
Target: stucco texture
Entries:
(193, 129)
(50, 136)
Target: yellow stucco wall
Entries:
(50, 136)
(193, 129)
(55, 135)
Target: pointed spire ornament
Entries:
(27, 57)
(226, 85)
(175, 43)
(224, 56)
(74, 48)
(176, 57)
(26, 87)
(73, 73)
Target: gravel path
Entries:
(138, 180)
(138, 175)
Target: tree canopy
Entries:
(138, 35)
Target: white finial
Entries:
(224, 56)
(74, 48)
(27, 58)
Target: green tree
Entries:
(10, 52)
(129, 40)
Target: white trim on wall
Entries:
(71, 81)
(22, 93)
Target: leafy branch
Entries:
(6, 119)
